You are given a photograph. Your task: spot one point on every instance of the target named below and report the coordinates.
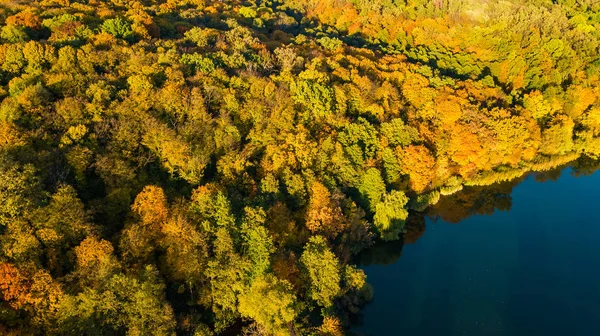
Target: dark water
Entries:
(522, 258)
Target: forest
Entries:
(214, 167)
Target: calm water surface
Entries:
(529, 266)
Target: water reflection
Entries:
(585, 167)
(471, 201)
(519, 257)
(387, 253)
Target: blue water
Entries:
(531, 270)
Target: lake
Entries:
(519, 258)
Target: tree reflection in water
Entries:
(479, 200)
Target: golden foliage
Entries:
(323, 215)
(418, 163)
(331, 326)
(151, 205)
(93, 252)
(9, 136)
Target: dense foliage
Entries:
(199, 167)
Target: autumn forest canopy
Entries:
(199, 167)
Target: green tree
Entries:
(13, 34)
(226, 272)
(258, 244)
(372, 188)
(322, 270)
(119, 28)
(126, 304)
(64, 222)
(19, 189)
(270, 302)
(390, 214)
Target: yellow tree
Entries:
(95, 261)
(34, 291)
(270, 302)
(151, 205)
(138, 239)
(323, 215)
(418, 163)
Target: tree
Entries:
(177, 156)
(258, 244)
(13, 34)
(64, 222)
(14, 60)
(398, 134)
(27, 18)
(139, 238)
(360, 141)
(134, 305)
(38, 57)
(34, 291)
(19, 189)
(330, 43)
(557, 139)
(270, 302)
(322, 271)
(226, 272)
(323, 215)
(95, 262)
(143, 302)
(311, 91)
(151, 206)
(390, 215)
(331, 326)
(212, 207)
(186, 250)
(14, 286)
(119, 28)
(372, 187)
(419, 164)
